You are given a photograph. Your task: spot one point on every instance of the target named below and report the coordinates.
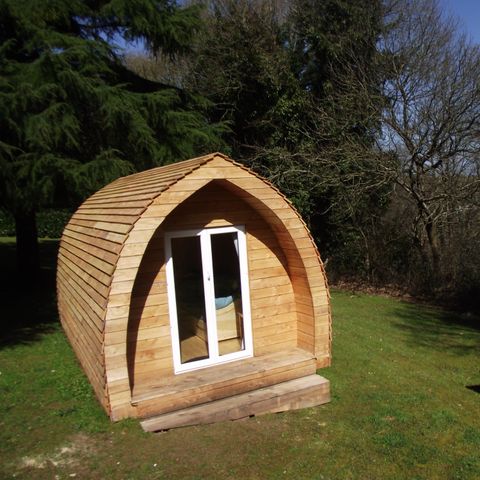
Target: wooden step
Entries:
(303, 392)
(214, 383)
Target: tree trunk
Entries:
(28, 262)
(433, 242)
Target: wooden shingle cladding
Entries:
(111, 271)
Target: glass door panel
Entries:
(208, 296)
(228, 293)
(190, 299)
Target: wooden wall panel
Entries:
(307, 274)
(87, 350)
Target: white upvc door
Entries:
(208, 296)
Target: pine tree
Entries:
(72, 116)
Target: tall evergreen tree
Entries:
(333, 45)
(283, 74)
(243, 66)
(72, 116)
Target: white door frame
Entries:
(208, 281)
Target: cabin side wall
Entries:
(87, 257)
(84, 335)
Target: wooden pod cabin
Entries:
(194, 293)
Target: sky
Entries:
(468, 11)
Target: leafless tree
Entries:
(431, 116)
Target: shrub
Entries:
(7, 225)
(50, 223)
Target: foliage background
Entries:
(365, 114)
(50, 223)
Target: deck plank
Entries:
(304, 392)
(209, 384)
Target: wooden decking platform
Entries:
(201, 387)
(302, 392)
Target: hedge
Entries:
(50, 223)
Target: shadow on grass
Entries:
(28, 311)
(439, 329)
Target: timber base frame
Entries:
(294, 394)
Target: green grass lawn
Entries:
(401, 407)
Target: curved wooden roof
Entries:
(104, 241)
